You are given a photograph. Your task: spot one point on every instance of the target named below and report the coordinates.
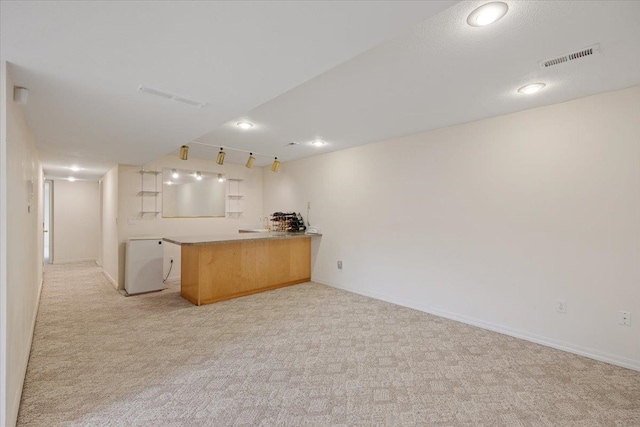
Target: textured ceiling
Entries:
(350, 73)
(83, 61)
(446, 72)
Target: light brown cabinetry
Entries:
(220, 271)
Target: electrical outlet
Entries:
(561, 306)
(624, 318)
(339, 265)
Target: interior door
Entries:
(48, 222)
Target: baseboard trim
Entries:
(110, 279)
(16, 407)
(538, 339)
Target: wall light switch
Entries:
(340, 265)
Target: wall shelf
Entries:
(147, 194)
(234, 198)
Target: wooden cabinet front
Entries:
(217, 272)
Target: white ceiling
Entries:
(83, 61)
(446, 72)
(350, 73)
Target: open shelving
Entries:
(234, 198)
(149, 193)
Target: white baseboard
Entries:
(173, 278)
(538, 339)
(110, 279)
(16, 406)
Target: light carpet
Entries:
(303, 355)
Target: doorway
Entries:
(48, 221)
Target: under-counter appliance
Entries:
(143, 266)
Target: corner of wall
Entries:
(21, 230)
(109, 225)
(3, 243)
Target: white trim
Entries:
(538, 339)
(3, 244)
(173, 278)
(26, 363)
(109, 278)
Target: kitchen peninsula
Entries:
(216, 268)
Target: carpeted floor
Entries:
(303, 355)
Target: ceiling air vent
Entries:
(171, 96)
(583, 53)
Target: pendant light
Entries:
(276, 165)
(220, 159)
(250, 161)
(184, 152)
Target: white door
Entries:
(48, 222)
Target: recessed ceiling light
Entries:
(531, 88)
(245, 125)
(318, 143)
(75, 168)
(169, 183)
(487, 14)
(71, 179)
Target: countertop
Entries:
(233, 237)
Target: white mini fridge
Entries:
(143, 266)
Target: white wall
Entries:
(132, 224)
(491, 222)
(109, 226)
(76, 221)
(22, 249)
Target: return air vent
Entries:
(171, 96)
(583, 53)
